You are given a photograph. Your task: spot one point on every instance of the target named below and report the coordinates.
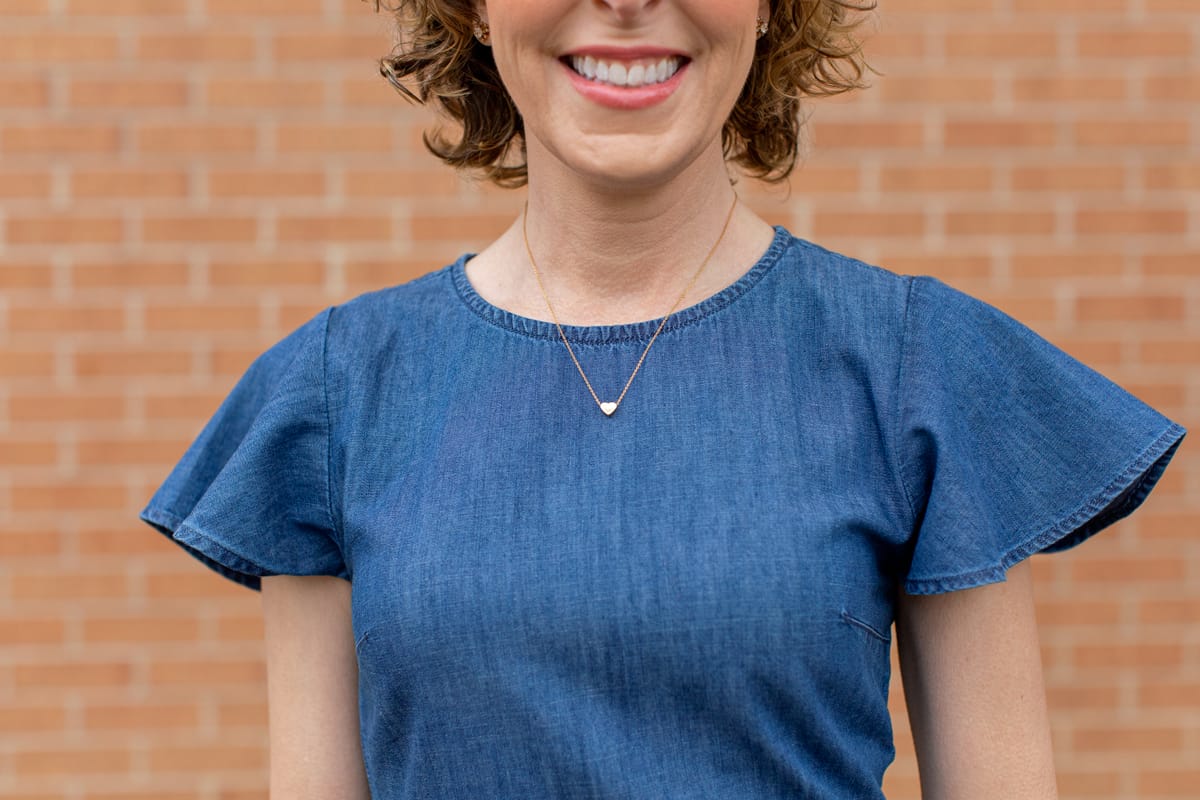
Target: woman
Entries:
(626, 504)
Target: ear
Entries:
(481, 9)
(764, 9)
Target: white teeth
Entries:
(640, 73)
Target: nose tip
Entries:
(628, 9)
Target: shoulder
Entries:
(384, 319)
(845, 295)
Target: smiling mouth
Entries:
(625, 73)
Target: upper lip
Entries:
(623, 53)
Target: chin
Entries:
(621, 163)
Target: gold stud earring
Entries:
(760, 27)
(482, 31)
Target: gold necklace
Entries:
(609, 407)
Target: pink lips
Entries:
(624, 97)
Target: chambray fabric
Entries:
(692, 598)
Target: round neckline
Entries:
(614, 334)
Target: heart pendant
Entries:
(608, 408)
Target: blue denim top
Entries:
(692, 598)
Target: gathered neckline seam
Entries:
(620, 333)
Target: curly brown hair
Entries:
(809, 51)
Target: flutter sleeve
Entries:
(251, 496)
(1007, 446)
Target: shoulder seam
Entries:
(334, 520)
(898, 410)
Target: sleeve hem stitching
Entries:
(1067, 525)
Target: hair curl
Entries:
(809, 51)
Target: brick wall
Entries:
(182, 182)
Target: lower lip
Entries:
(624, 97)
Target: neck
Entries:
(612, 254)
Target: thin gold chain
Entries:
(613, 406)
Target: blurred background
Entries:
(183, 182)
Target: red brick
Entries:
(1159, 782)
(29, 543)
(25, 185)
(1128, 740)
(1184, 610)
(1131, 220)
(73, 674)
(1170, 693)
(1175, 265)
(335, 45)
(1084, 88)
(1000, 222)
(1057, 265)
(127, 93)
(1076, 698)
(1166, 526)
(64, 229)
(197, 583)
(139, 717)
(139, 629)
(936, 178)
(264, 93)
(125, 541)
(60, 497)
(1002, 43)
(349, 228)
(35, 453)
(27, 8)
(205, 759)
(25, 631)
(429, 227)
(290, 9)
(1130, 42)
(25, 363)
(121, 8)
(206, 673)
(194, 137)
(1142, 132)
(1175, 86)
(1086, 177)
(190, 404)
(868, 223)
(1128, 656)
(199, 318)
(24, 92)
(90, 759)
(129, 182)
(892, 43)
(128, 362)
(201, 228)
(1127, 308)
(1002, 133)
(440, 182)
(266, 182)
(25, 275)
(27, 719)
(74, 319)
(267, 274)
(128, 451)
(927, 89)
(129, 274)
(57, 139)
(201, 46)
(871, 135)
(72, 49)
(1177, 174)
(337, 138)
